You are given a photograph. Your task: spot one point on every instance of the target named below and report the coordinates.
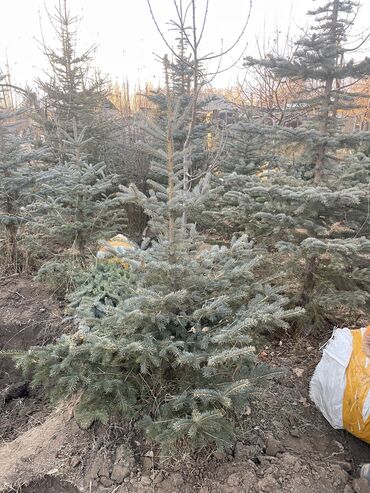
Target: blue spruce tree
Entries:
(16, 179)
(176, 348)
(77, 204)
(312, 213)
(74, 95)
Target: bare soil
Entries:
(29, 316)
(286, 445)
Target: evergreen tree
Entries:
(320, 63)
(190, 134)
(188, 78)
(15, 179)
(314, 210)
(176, 345)
(76, 204)
(191, 130)
(74, 93)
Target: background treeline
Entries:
(250, 207)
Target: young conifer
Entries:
(15, 179)
(76, 204)
(314, 209)
(176, 347)
(74, 94)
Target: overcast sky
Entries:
(126, 37)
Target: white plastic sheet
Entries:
(328, 382)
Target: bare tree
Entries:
(265, 95)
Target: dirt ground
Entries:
(287, 446)
(28, 316)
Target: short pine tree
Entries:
(176, 344)
(76, 206)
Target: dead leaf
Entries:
(298, 372)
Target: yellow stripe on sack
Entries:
(119, 241)
(107, 256)
(356, 390)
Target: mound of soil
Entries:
(285, 445)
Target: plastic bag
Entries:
(119, 244)
(340, 385)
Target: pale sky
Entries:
(126, 37)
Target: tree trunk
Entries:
(170, 165)
(11, 231)
(187, 151)
(327, 104)
(309, 281)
